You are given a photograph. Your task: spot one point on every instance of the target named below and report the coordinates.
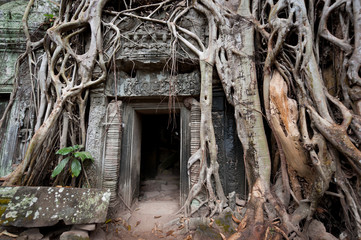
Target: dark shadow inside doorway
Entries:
(160, 157)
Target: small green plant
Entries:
(50, 18)
(75, 156)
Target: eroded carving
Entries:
(156, 84)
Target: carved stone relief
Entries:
(151, 42)
(95, 136)
(155, 84)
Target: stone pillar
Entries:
(195, 122)
(95, 137)
(112, 145)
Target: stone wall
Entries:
(14, 135)
(230, 155)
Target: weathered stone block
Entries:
(32, 234)
(46, 206)
(154, 84)
(98, 234)
(204, 232)
(75, 235)
(84, 227)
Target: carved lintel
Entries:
(156, 84)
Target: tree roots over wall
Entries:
(292, 64)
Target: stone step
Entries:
(153, 181)
(169, 187)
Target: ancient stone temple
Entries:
(16, 132)
(142, 122)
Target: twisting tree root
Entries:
(311, 100)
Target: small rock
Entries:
(98, 234)
(75, 235)
(224, 222)
(84, 227)
(204, 232)
(232, 200)
(343, 236)
(32, 234)
(127, 216)
(240, 202)
(317, 231)
(168, 187)
(194, 204)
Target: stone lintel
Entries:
(148, 84)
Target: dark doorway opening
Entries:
(160, 157)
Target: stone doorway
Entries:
(150, 161)
(160, 157)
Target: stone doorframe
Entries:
(130, 154)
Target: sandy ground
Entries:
(152, 215)
(148, 221)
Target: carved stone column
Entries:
(195, 121)
(95, 136)
(112, 145)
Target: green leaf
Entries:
(83, 155)
(49, 15)
(77, 147)
(60, 167)
(65, 151)
(75, 167)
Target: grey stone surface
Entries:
(148, 195)
(221, 224)
(32, 234)
(16, 129)
(112, 149)
(231, 165)
(95, 136)
(150, 44)
(75, 235)
(12, 38)
(150, 187)
(224, 223)
(84, 227)
(45, 206)
(232, 200)
(98, 234)
(169, 187)
(148, 83)
(204, 232)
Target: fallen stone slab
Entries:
(46, 206)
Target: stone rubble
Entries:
(75, 235)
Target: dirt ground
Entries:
(150, 220)
(154, 216)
